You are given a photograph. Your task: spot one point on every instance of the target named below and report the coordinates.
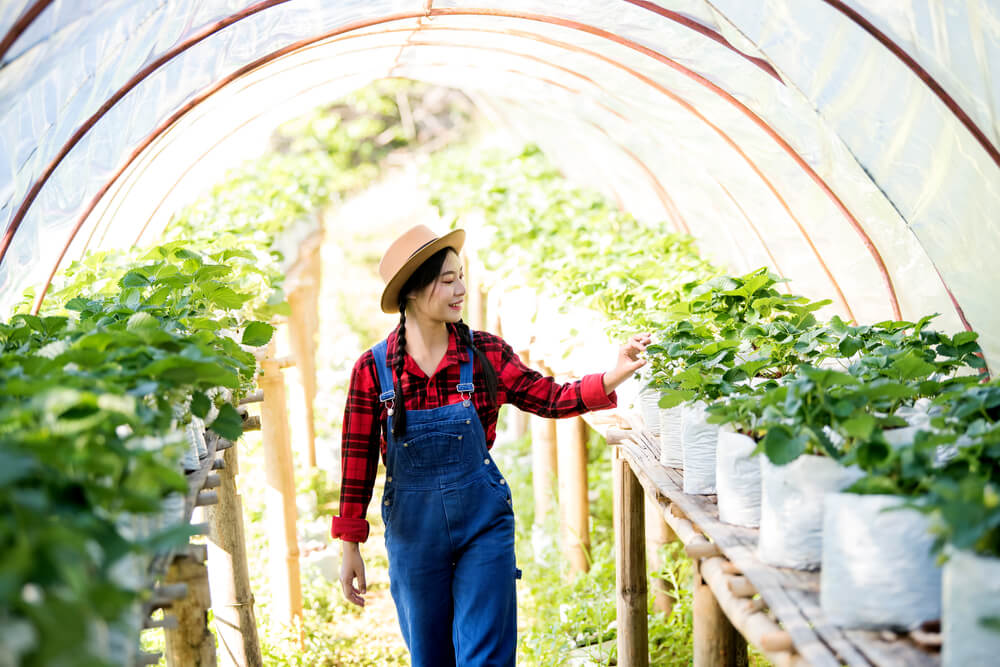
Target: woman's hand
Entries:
(629, 361)
(352, 567)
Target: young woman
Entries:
(426, 399)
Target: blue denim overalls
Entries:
(449, 531)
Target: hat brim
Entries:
(390, 295)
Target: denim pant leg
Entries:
(420, 578)
(485, 598)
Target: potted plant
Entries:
(964, 506)
(815, 427)
(731, 332)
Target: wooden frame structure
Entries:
(738, 599)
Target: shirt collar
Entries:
(455, 354)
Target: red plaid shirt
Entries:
(364, 437)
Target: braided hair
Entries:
(426, 274)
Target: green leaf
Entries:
(200, 405)
(850, 345)
(671, 398)
(142, 320)
(257, 334)
(964, 337)
(228, 424)
(133, 278)
(860, 426)
(781, 446)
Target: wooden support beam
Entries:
(544, 465)
(658, 535)
(190, 644)
(574, 503)
(716, 642)
(281, 511)
(302, 324)
(630, 566)
(229, 576)
(748, 615)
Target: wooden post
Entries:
(190, 644)
(630, 566)
(475, 298)
(716, 642)
(544, 465)
(228, 575)
(574, 504)
(658, 534)
(303, 322)
(280, 494)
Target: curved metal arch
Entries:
(921, 73)
(661, 192)
(15, 222)
(21, 24)
(166, 127)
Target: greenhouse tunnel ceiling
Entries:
(850, 146)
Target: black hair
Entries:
(426, 274)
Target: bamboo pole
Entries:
(574, 504)
(303, 322)
(630, 566)
(475, 306)
(716, 642)
(658, 535)
(190, 644)
(280, 494)
(544, 465)
(228, 574)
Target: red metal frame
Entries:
(21, 24)
(444, 12)
(921, 73)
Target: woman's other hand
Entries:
(352, 567)
(630, 360)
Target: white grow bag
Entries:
(698, 443)
(971, 586)
(671, 451)
(791, 508)
(737, 479)
(878, 568)
(649, 407)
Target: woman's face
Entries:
(442, 300)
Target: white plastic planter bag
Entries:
(791, 508)
(878, 569)
(698, 443)
(671, 452)
(649, 408)
(971, 593)
(737, 479)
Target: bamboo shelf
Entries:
(775, 609)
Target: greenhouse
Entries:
(727, 263)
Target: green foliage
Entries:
(730, 331)
(129, 345)
(556, 237)
(88, 439)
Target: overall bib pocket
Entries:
(431, 449)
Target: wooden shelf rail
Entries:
(775, 609)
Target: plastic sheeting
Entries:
(849, 145)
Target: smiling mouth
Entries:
(456, 306)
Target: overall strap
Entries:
(465, 384)
(384, 374)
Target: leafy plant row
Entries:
(764, 361)
(97, 389)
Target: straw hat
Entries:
(406, 254)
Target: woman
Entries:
(426, 399)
